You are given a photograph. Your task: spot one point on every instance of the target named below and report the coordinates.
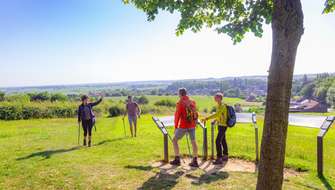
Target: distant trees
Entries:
(58, 97)
(236, 87)
(141, 100)
(41, 96)
(331, 96)
(165, 102)
(19, 98)
(2, 96)
(234, 92)
(307, 91)
(318, 88)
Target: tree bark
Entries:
(287, 29)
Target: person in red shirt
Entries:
(185, 122)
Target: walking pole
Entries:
(78, 133)
(124, 127)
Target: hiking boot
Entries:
(225, 158)
(84, 144)
(194, 163)
(89, 143)
(175, 162)
(218, 161)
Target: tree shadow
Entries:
(325, 182)
(162, 181)
(210, 176)
(48, 153)
(142, 168)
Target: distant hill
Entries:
(139, 85)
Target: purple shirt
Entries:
(132, 108)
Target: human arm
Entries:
(177, 115)
(97, 102)
(210, 117)
(138, 110)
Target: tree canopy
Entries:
(232, 17)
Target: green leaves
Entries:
(329, 6)
(232, 17)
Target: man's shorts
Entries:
(180, 132)
(132, 119)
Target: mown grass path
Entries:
(44, 154)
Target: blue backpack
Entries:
(231, 120)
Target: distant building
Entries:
(308, 105)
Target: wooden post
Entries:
(166, 149)
(320, 155)
(205, 144)
(324, 129)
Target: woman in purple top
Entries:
(133, 111)
(86, 117)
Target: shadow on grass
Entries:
(162, 181)
(110, 140)
(325, 182)
(48, 153)
(143, 168)
(210, 176)
(168, 178)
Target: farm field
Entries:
(44, 154)
(202, 101)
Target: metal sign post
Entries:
(323, 131)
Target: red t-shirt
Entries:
(180, 115)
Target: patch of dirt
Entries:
(233, 165)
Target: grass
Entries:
(43, 154)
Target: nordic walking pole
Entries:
(78, 133)
(124, 127)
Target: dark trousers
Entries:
(221, 143)
(87, 127)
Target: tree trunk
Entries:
(287, 29)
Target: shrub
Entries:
(58, 97)
(141, 100)
(116, 110)
(41, 96)
(10, 112)
(256, 110)
(21, 98)
(16, 111)
(165, 102)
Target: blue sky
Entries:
(47, 42)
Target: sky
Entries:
(50, 42)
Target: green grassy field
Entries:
(43, 154)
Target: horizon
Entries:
(148, 81)
(66, 42)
